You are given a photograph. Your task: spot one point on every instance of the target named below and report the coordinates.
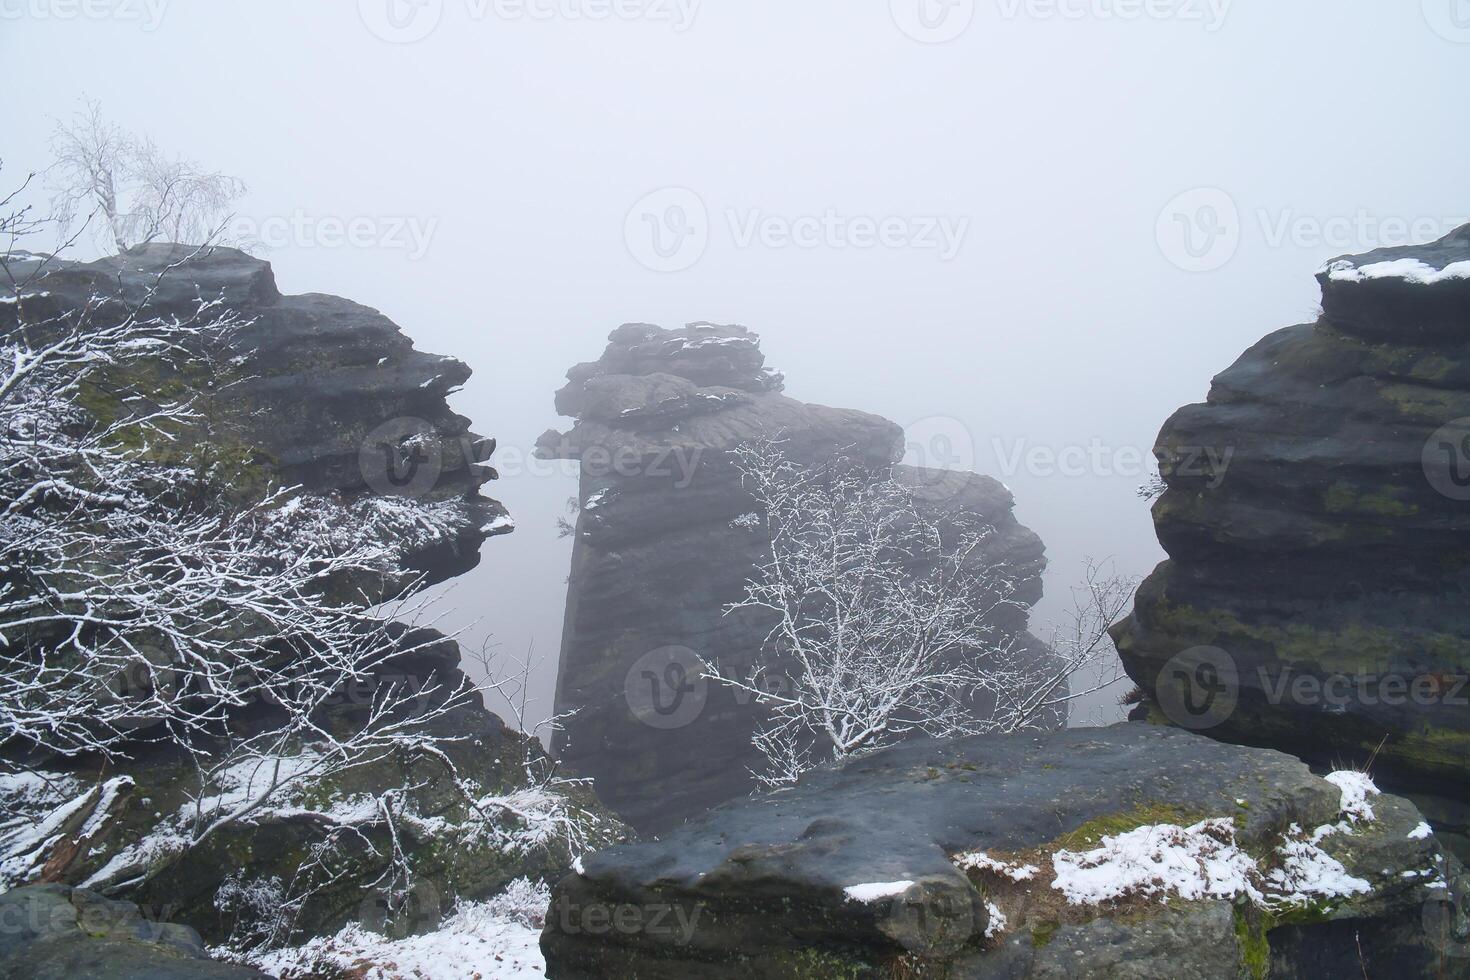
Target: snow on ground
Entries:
(1409, 270)
(979, 860)
(1308, 873)
(1201, 861)
(499, 939)
(874, 891)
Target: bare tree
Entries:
(887, 620)
(139, 606)
(130, 190)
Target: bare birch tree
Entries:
(130, 191)
(888, 621)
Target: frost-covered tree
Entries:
(143, 604)
(129, 190)
(889, 621)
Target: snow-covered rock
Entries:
(322, 414)
(1077, 853)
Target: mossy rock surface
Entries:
(763, 884)
(1329, 561)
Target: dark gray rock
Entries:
(757, 888)
(1331, 551)
(1424, 306)
(296, 399)
(53, 932)
(312, 391)
(656, 558)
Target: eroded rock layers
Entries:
(1136, 850)
(1315, 596)
(661, 551)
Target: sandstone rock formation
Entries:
(659, 553)
(316, 390)
(53, 932)
(323, 393)
(1133, 851)
(1317, 520)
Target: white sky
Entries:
(523, 142)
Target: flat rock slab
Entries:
(853, 872)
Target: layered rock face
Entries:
(660, 552)
(1317, 520)
(313, 390)
(318, 392)
(1133, 851)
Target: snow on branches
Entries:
(887, 620)
(140, 605)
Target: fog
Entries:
(1028, 231)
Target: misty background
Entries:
(1028, 231)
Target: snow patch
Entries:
(501, 525)
(875, 890)
(1204, 861)
(997, 923)
(980, 861)
(1421, 832)
(499, 938)
(1201, 861)
(14, 299)
(1309, 873)
(1409, 270)
(1356, 788)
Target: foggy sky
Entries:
(499, 172)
